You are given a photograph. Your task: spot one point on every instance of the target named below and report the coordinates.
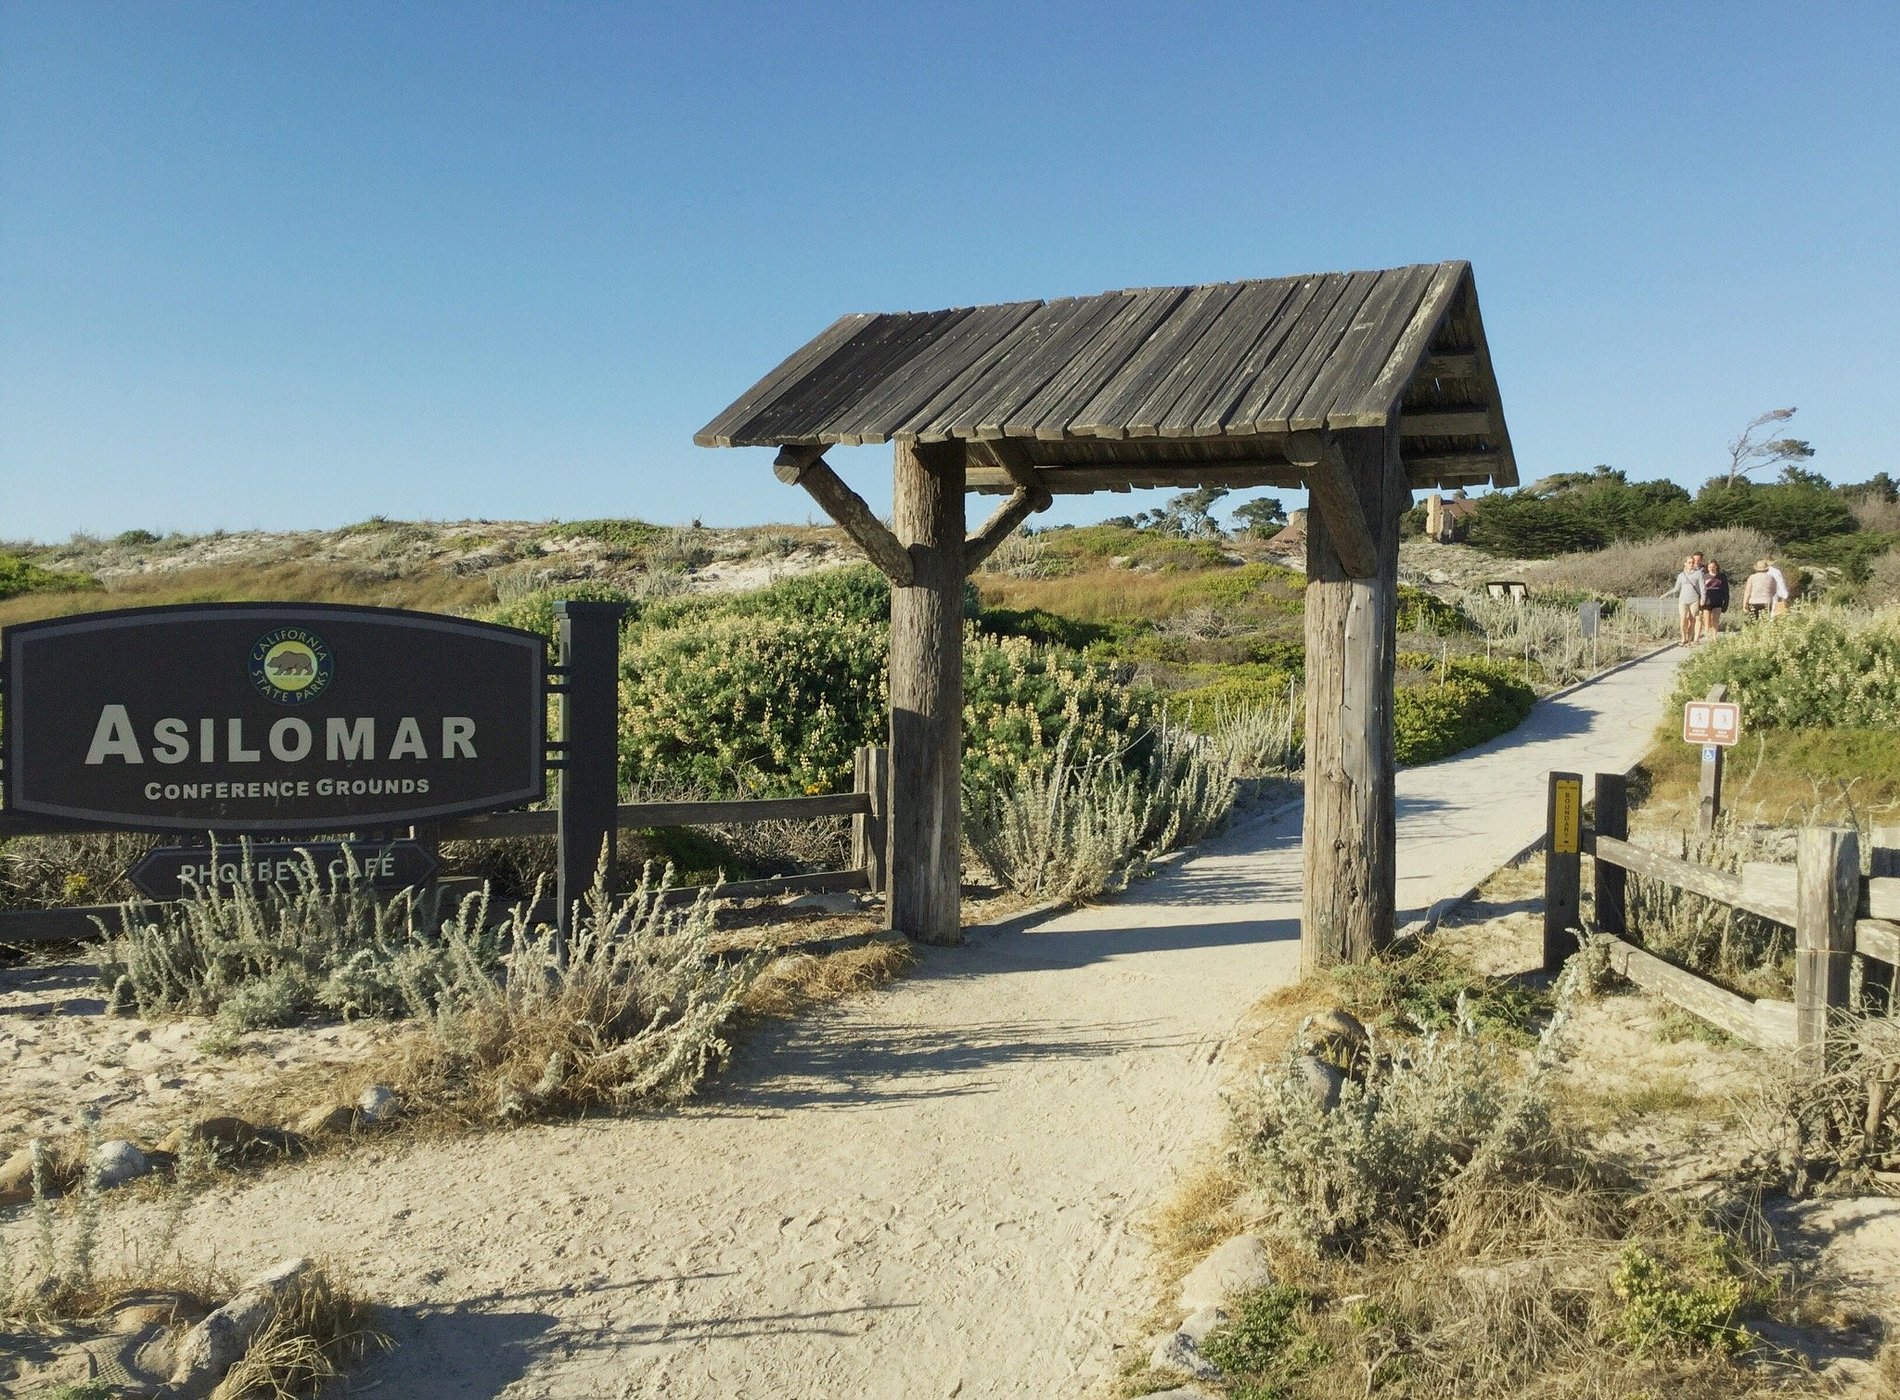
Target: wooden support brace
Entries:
(806, 467)
(996, 529)
(1327, 482)
(1013, 458)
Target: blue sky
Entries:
(294, 265)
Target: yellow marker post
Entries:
(1566, 823)
(1563, 868)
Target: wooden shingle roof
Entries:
(1160, 386)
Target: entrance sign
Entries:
(270, 717)
(1712, 722)
(178, 872)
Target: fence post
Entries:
(1827, 898)
(588, 797)
(1611, 881)
(871, 775)
(1883, 861)
(1563, 867)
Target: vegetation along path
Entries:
(935, 1191)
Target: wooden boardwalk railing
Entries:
(1838, 915)
(867, 805)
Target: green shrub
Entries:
(1258, 586)
(534, 611)
(1784, 512)
(134, 538)
(771, 692)
(1853, 555)
(1268, 1348)
(1199, 707)
(768, 706)
(1471, 701)
(1685, 1303)
(617, 534)
(1817, 669)
(19, 576)
(1420, 611)
(858, 593)
(1049, 629)
(1020, 698)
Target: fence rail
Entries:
(866, 805)
(1838, 915)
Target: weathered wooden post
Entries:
(1610, 881)
(926, 817)
(1709, 801)
(1827, 897)
(1359, 490)
(871, 775)
(1883, 862)
(587, 801)
(1563, 867)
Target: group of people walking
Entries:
(1701, 592)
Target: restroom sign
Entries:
(1712, 722)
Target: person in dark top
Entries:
(1714, 599)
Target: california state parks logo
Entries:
(290, 665)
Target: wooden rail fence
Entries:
(1839, 916)
(867, 804)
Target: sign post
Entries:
(1563, 868)
(1716, 725)
(588, 799)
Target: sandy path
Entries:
(931, 1193)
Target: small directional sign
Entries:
(1712, 722)
(175, 872)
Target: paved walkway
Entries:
(933, 1192)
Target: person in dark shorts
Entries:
(1714, 600)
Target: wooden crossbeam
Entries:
(806, 467)
(1467, 421)
(1007, 517)
(1332, 494)
(1121, 476)
(1451, 463)
(1450, 364)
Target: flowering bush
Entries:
(1831, 668)
(769, 693)
(769, 706)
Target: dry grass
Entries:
(800, 982)
(1645, 569)
(429, 589)
(316, 1330)
(1781, 777)
(1121, 595)
(1542, 1285)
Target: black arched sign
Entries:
(270, 717)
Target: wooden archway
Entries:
(1360, 387)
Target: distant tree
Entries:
(1190, 511)
(1792, 475)
(1753, 450)
(1878, 487)
(1262, 518)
